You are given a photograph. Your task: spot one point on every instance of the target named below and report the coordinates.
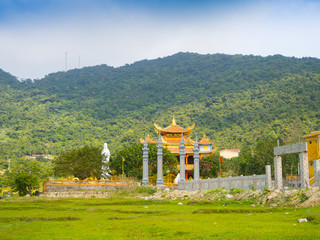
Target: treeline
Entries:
(235, 100)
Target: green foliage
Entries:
(209, 166)
(134, 190)
(234, 100)
(146, 190)
(136, 218)
(235, 190)
(133, 160)
(253, 159)
(81, 163)
(303, 196)
(25, 183)
(26, 175)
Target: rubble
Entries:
(271, 198)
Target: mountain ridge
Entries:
(233, 99)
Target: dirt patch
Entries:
(269, 198)
(312, 198)
(34, 219)
(238, 210)
(121, 218)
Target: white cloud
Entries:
(115, 36)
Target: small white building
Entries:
(230, 153)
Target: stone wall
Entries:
(79, 188)
(83, 185)
(77, 194)
(241, 182)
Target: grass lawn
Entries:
(132, 218)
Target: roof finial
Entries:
(173, 121)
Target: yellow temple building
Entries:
(313, 143)
(171, 136)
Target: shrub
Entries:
(303, 196)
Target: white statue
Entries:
(106, 157)
(177, 179)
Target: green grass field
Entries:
(132, 218)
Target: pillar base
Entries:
(145, 182)
(159, 182)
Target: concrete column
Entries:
(196, 157)
(159, 164)
(268, 176)
(278, 172)
(182, 159)
(145, 150)
(316, 164)
(304, 169)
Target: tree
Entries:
(263, 155)
(26, 175)
(246, 160)
(133, 160)
(253, 161)
(26, 182)
(209, 166)
(81, 163)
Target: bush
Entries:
(303, 196)
(25, 183)
(82, 163)
(25, 175)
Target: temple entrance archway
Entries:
(300, 148)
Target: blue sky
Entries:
(36, 34)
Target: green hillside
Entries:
(233, 99)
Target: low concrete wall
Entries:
(241, 182)
(65, 185)
(79, 188)
(77, 194)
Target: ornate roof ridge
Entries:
(205, 141)
(174, 128)
(149, 140)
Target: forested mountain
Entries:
(233, 99)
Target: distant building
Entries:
(230, 153)
(35, 156)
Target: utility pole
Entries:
(122, 168)
(66, 66)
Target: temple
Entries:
(171, 136)
(313, 146)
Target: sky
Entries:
(38, 37)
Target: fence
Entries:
(65, 185)
(241, 182)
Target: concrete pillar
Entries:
(159, 164)
(145, 150)
(182, 159)
(278, 172)
(316, 164)
(196, 157)
(268, 177)
(304, 169)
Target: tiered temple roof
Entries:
(205, 141)
(174, 128)
(171, 137)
